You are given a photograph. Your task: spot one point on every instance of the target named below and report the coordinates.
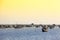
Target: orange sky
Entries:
(30, 11)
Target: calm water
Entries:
(29, 34)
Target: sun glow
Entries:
(28, 11)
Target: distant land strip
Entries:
(27, 25)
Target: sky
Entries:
(29, 11)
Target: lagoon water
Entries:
(29, 34)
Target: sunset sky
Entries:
(29, 11)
